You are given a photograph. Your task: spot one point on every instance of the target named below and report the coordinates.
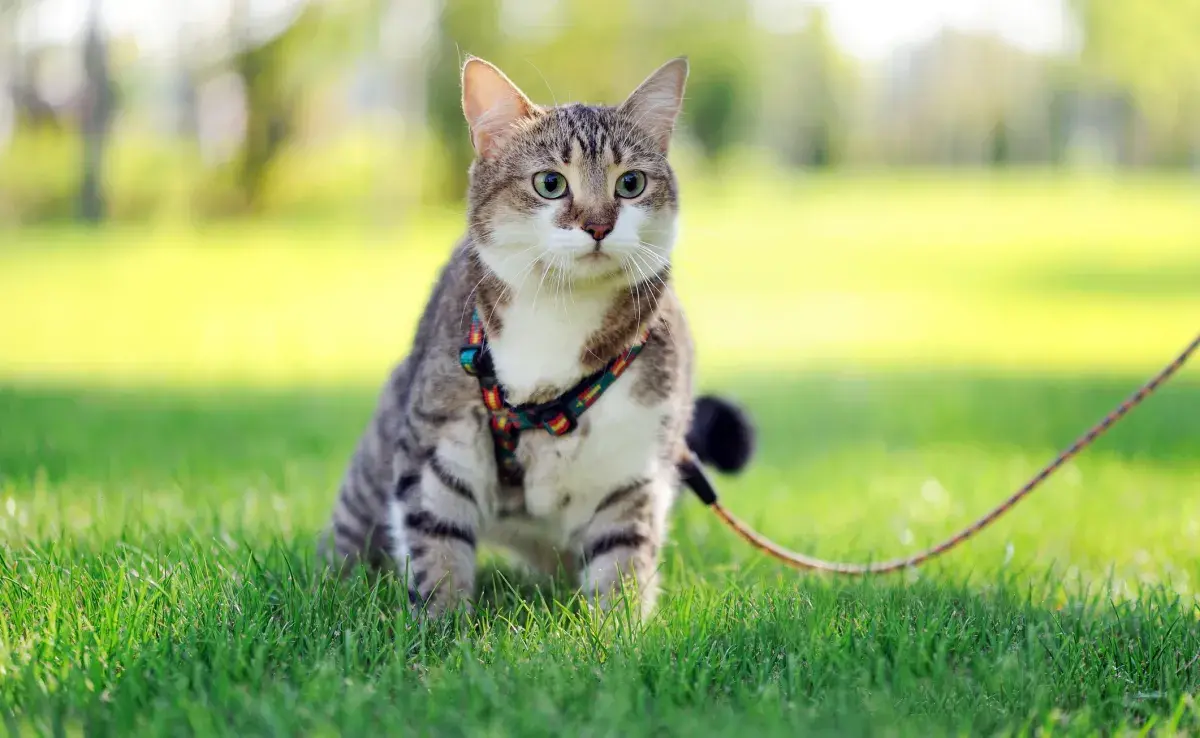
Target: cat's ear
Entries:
(655, 104)
(492, 105)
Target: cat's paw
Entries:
(440, 603)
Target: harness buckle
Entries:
(476, 360)
(468, 357)
(555, 416)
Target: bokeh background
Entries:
(130, 111)
(927, 243)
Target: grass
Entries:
(176, 407)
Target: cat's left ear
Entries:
(493, 105)
(655, 104)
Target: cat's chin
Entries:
(594, 268)
(605, 269)
(576, 266)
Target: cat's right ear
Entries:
(493, 105)
(655, 104)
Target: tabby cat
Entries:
(563, 275)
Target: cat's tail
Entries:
(721, 434)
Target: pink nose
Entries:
(598, 230)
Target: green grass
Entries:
(176, 407)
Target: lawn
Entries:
(176, 406)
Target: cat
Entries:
(564, 272)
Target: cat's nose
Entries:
(598, 230)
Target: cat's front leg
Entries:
(620, 546)
(435, 522)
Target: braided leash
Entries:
(696, 479)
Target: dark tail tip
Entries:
(721, 434)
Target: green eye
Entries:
(631, 184)
(550, 185)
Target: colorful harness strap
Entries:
(559, 416)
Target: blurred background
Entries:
(927, 242)
(135, 110)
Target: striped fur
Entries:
(421, 491)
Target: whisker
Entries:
(568, 285)
(559, 279)
(641, 276)
(634, 290)
(524, 274)
(487, 273)
(648, 250)
(545, 272)
(656, 278)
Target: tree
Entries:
(965, 98)
(463, 27)
(717, 37)
(1149, 50)
(277, 67)
(572, 51)
(31, 109)
(810, 93)
(97, 117)
(714, 102)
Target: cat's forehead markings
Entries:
(582, 126)
(579, 133)
(575, 147)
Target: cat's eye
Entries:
(550, 185)
(631, 184)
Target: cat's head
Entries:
(585, 191)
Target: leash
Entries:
(694, 477)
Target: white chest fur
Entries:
(617, 438)
(616, 442)
(543, 340)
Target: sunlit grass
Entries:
(831, 272)
(176, 407)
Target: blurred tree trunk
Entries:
(268, 113)
(97, 118)
(809, 86)
(1060, 106)
(1000, 144)
(280, 61)
(269, 118)
(9, 54)
(184, 104)
(463, 27)
(30, 109)
(1143, 49)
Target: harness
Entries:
(558, 417)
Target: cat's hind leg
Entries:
(358, 530)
